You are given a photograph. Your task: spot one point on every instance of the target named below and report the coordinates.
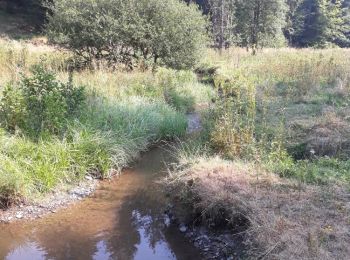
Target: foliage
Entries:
(160, 32)
(108, 138)
(105, 137)
(321, 22)
(284, 109)
(181, 89)
(223, 20)
(34, 8)
(234, 119)
(260, 23)
(257, 23)
(40, 104)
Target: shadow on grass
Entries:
(18, 26)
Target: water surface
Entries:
(122, 220)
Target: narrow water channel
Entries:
(122, 220)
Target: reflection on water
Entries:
(122, 220)
(27, 251)
(149, 248)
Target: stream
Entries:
(123, 219)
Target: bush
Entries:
(40, 104)
(163, 32)
(233, 126)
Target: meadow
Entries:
(272, 162)
(272, 154)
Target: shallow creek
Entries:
(123, 219)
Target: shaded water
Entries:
(121, 220)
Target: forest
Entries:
(175, 129)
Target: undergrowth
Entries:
(116, 116)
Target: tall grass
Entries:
(272, 164)
(125, 113)
(106, 140)
(295, 118)
(16, 58)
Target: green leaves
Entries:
(40, 104)
(130, 32)
(321, 23)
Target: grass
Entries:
(126, 112)
(104, 142)
(273, 155)
(281, 107)
(272, 163)
(277, 218)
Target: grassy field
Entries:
(293, 100)
(274, 153)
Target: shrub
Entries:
(234, 116)
(40, 104)
(164, 32)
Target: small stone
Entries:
(183, 228)
(167, 221)
(88, 177)
(19, 215)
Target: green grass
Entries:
(126, 112)
(108, 138)
(294, 122)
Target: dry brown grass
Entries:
(329, 136)
(287, 220)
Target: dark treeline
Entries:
(36, 9)
(297, 23)
(257, 23)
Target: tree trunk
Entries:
(222, 25)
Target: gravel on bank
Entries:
(50, 203)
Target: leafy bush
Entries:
(233, 129)
(40, 104)
(163, 32)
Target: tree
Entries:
(170, 32)
(222, 14)
(260, 22)
(321, 22)
(289, 29)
